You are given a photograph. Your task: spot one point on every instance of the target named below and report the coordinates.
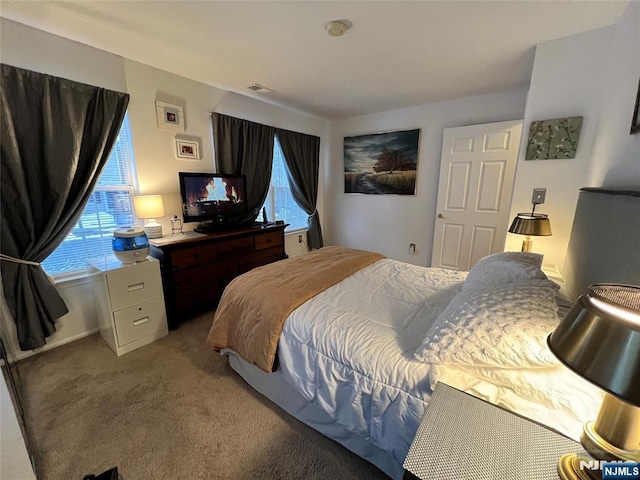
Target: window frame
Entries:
(130, 189)
(270, 200)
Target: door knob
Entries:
(440, 215)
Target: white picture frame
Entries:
(187, 148)
(169, 117)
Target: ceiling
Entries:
(397, 54)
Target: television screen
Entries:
(212, 196)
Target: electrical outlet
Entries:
(299, 238)
(412, 248)
(539, 195)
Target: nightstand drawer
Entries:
(136, 322)
(130, 286)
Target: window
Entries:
(280, 203)
(109, 206)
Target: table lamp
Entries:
(150, 207)
(599, 339)
(530, 224)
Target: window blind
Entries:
(110, 206)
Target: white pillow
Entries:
(504, 267)
(504, 326)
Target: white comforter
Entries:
(350, 350)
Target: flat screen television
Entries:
(212, 199)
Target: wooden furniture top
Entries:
(195, 237)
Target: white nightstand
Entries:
(129, 302)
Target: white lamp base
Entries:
(153, 230)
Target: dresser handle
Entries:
(134, 287)
(140, 321)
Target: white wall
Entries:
(594, 75)
(616, 154)
(157, 167)
(388, 223)
(14, 458)
(156, 164)
(33, 49)
(564, 83)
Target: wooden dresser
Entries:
(196, 267)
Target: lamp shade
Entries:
(599, 339)
(535, 224)
(148, 206)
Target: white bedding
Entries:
(350, 350)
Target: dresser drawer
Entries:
(134, 285)
(268, 240)
(192, 256)
(199, 297)
(193, 277)
(257, 259)
(235, 247)
(137, 322)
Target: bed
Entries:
(358, 359)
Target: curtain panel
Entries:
(55, 137)
(302, 156)
(245, 148)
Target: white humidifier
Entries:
(130, 244)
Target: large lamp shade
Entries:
(599, 339)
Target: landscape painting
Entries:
(381, 163)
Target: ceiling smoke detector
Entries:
(256, 87)
(336, 28)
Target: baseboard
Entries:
(21, 355)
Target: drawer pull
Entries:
(140, 321)
(135, 286)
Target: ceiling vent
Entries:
(256, 87)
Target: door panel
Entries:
(490, 186)
(477, 170)
(482, 242)
(458, 186)
(452, 238)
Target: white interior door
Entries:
(477, 170)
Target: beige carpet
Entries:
(171, 410)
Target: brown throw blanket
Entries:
(254, 307)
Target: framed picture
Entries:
(170, 117)
(635, 121)
(553, 139)
(187, 148)
(381, 163)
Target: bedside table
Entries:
(462, 437)
(129, 302)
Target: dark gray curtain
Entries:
(302, 155)
(55, 138)
(245, 148)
